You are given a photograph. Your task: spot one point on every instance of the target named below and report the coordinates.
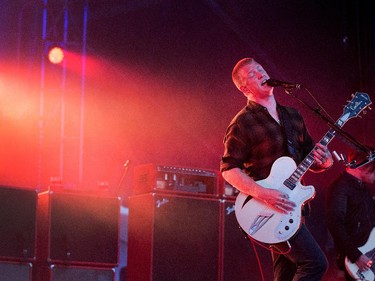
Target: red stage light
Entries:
(56, 55)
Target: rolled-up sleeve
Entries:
(234, 149)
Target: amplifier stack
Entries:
(182, 226)
(57, 236)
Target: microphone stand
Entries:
(347, 136)
(119, 186)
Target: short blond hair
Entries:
(236, 78)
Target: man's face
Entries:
(253, 79)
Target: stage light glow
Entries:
(56, 55)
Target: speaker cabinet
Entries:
(78, 229)
(64, 273)
(173, 238)
(239, 258)
(15, 271)
(17, 223)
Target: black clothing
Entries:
(351, 216)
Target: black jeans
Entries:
(305, 261)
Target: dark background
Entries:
(157, 85)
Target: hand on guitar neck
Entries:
(322, 157)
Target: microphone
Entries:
(277, 83)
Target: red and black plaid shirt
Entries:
(254, 140)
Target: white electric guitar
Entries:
(369, 250)
(264, 223)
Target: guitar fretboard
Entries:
(308, 161)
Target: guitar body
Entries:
(369, 250)
(264, 223)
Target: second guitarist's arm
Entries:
(349, 230)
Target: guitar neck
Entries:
(308, 161)
(359, 102)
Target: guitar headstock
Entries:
(358, 103)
